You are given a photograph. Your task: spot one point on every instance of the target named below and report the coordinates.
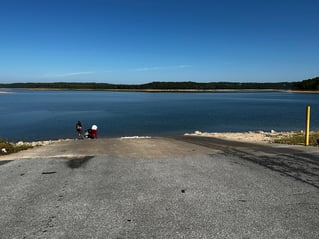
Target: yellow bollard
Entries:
(307, 125)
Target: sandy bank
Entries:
(252, 137)
(5, 92)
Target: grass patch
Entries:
(9, 148)
(298, 138)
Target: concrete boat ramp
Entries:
(178, 187)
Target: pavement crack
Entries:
(46, 226)
(49, 172)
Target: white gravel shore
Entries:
(253, 137)
(41, 143)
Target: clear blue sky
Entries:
(132, 41)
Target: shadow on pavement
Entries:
(2, 162)
(290, 162)
(78, 162)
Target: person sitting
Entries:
(94, 132)
(88, 134)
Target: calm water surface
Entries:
(39, 115)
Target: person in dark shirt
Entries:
(79, 128)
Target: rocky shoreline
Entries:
(251, 136)
(41, 143)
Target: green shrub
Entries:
(11, 147)
(298, 138)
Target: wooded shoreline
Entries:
(306, 85)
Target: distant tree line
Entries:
(215, 85)
(152, 86)
(311, 84)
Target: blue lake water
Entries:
(39, 115)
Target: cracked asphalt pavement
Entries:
(178, 187)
